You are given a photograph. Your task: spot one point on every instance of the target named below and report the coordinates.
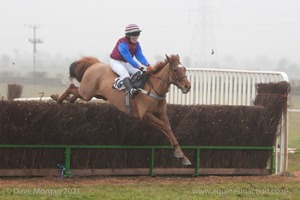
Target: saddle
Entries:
(137, 80)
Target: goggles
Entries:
(134, 33)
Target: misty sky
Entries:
(242, 29)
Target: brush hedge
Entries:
(101, 124)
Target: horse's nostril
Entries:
(186, 89)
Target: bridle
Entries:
(175, 80)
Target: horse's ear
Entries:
(168, 59)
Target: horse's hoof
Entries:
(72, 99)
(178, 154)
(185, 161)
(68, 98)
(54, 97)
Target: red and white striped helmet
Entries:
(131, 28)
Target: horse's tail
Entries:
(78, 67)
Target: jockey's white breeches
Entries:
(123, 69)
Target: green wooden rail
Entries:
(152, 148)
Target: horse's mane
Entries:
(161, 64)
(78, 67)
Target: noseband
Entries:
(176, 81)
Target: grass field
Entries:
(294, 122)
(294, 162)
(294, 130)
(149, 188)
(158, 190)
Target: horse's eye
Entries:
(174, 70)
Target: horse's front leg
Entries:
(162, 123)
(177, 152)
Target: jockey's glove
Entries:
(149, 68)
(143, 69)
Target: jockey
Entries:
(122, 61)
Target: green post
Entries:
(197, 161)
(152, 162)
(68, 161)
(272, 170)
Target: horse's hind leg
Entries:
(73, 99)
(72, 89)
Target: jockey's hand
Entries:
(143, 69)
(149, 69)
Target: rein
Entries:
(174, 81)
(152, 87)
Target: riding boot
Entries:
(127, 83)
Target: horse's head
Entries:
(177, 74)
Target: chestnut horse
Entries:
(96, 80)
